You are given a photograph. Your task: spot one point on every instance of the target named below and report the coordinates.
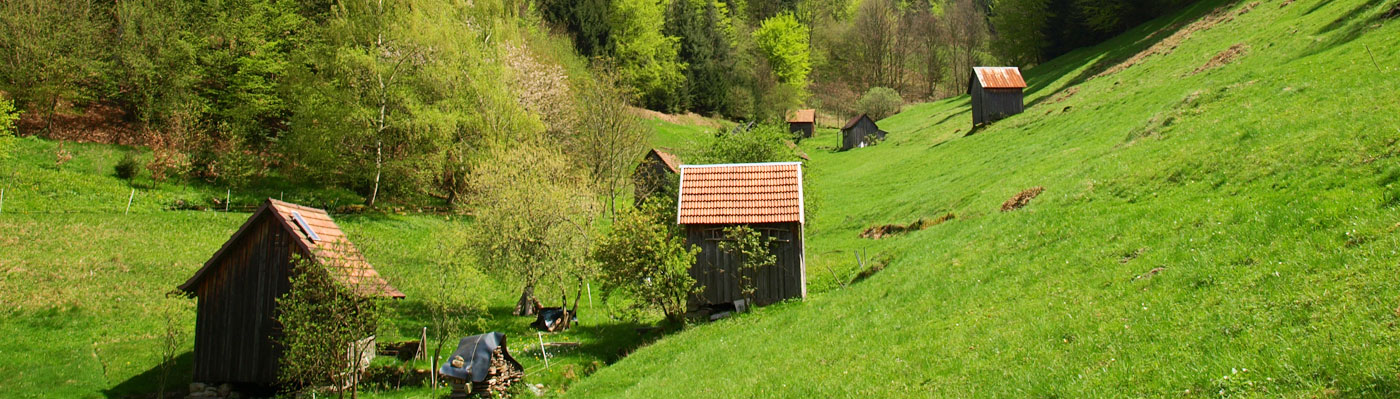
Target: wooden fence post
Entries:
(543, 354)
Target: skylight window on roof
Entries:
(305, 227)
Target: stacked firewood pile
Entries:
(496, 383)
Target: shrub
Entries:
(762, 144)
(880, 102)
(648, 258)
(127, 167)
(8, 116)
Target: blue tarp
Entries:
(475, 354)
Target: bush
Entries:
(8, 116)
(762, 144)
(127, 167)
(647, 258)
(880, 102)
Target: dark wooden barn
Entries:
(656, 168)
(237, 289)
(766, 197)
(804, 121)
(997, 92)
(859, 132)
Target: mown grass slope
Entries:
(1221, 231)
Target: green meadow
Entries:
(1209, 227)
(1227, 232)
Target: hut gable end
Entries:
(331, 248)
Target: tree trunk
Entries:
(378, 169)
(527, 305)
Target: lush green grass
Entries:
(682, 140)
(1262, 193)
(84, 282)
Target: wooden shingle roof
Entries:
(740, 193)
(325, 242)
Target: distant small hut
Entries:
(804, 121)
(997, 92)
(767, 197)
(654, 172)
(859, 132)
(236, 329)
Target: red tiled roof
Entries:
(672, 162)
(741, 193)
(331, 248)
(803, 116)
(1000, 77)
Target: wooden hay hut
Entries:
(804, 121)
(997, 92)
(859, 132)
(764, 196)
(654, 172)
(237, 289)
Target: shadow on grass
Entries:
(1110, 54)
(1347, 27)
(146, 384)
(600, 338)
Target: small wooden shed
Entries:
(804, 121)
(237, 289)
(654, 172)
(859, 132)
(997, 92)
(764, 196)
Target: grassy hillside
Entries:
(84, 278)
(1210, 226)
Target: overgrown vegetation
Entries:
(327, 323)
(644, 256)
(754, 252)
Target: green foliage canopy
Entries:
(783, 40)
(880, 102)
(764, 143)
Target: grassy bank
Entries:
(1208, 227)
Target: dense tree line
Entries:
(404, 98)
(393, 99)
(755, 60)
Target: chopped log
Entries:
(499, 377)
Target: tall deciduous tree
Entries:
(51, 50)
(401, 95)
(646, 58)
(967, 32)
(608, 137)
(783, 41)
(533, 217)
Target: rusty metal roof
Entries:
(325, 242)
(1000, 77)
(741, 193)
(803, 116)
